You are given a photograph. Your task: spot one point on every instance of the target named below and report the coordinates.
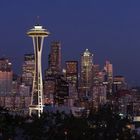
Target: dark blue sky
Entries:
(108, 28)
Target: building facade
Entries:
(55, 58)
(108, 69)
(72, 73)
(28, 69)
(86, 72)
(6, 76)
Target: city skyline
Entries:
(108, 29)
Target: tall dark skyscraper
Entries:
(55, 58)
(72, 73)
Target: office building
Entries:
(72, 73)
(6, 76)
(108, 69)
(55, 58)
(99, 95)
(49, 89)
(86, 72)
(28, 70)
(62, 90)
(96, 72)
(119, 83)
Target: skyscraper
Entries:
(72, 73)
(62, 90)
(119, 83)
(96, 71)
(55, 57)
(49, 89)
(28, 69)
(38, 34)
(108, 68)
(86, 72)
(6, 76)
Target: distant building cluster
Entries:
(78, 84)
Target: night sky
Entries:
(110, 29)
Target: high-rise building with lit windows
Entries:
(49, 89)
(6, 76)
(96, 71)
(72, 73)
(119, 83)
(86, 72)
(55, 57)
(108, 69)
(28, 69)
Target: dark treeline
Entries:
(103, 124)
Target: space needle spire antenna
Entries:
(37, 20)
(37, 33)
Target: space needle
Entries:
(38, 33)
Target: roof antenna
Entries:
(37, 20)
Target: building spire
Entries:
(38, 20)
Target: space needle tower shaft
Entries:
(38, 34)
